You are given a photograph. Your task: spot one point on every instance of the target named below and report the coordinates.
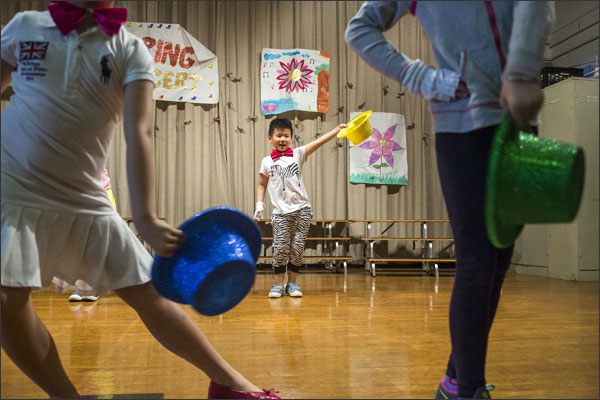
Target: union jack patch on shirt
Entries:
(32, 50)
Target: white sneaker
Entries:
(75, 297)
(89, 298)
(276, 291)
(293, 289)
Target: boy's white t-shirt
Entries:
(286, 187)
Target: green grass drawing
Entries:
(386, 179)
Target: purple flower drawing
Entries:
(383, 147)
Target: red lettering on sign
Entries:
(186, 63)
(159, 48)
(149, 42)
(165, 49)
(173, 54)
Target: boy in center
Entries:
(281, 173)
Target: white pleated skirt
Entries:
(92, 254)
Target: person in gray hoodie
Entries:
(490, 55)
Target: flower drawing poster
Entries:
(381, 159)
(294, 79)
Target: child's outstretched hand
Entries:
(321, 140)
(164, 239)
(338, 128)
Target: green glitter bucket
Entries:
(530, 180)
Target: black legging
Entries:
(480, 267)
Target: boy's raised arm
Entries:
(315, 144)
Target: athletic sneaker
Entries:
(445, 393)
(484, 392)
(293, 289)
(76, 297)
(276, 291)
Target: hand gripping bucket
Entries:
(530, 180)
(359, 128)
(215, 268)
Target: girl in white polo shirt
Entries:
(76, 73)
(281, 173)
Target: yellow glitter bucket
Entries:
(530, 180)
(359, 128)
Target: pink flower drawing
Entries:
(383, 147)
(294, 76)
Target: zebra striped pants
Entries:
(289, 235)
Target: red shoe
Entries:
(216, 391)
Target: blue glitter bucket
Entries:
(215, 268)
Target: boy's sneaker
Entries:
(293, 289)
(276, 291)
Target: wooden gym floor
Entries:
(349, 337)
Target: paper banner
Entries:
(294, 79)
(381, 159)
(185, 70)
